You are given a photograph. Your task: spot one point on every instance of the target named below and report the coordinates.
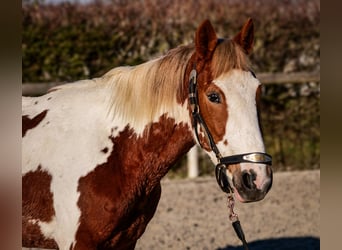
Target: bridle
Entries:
(223, 162)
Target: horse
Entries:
(94, 151)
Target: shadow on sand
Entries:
(299, 243)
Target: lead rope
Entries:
(233, 217)
(223, 182)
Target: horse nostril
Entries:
(248, 180)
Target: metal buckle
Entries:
(193, 75)
(257, 157)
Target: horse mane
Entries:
(140, 94)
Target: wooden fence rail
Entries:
(36, 89)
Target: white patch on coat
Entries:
(67, 144)
(48, 228)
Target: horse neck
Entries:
(154, 118)
(151, 154)
(170, 141)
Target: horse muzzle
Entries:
(248, 175)
(251, 182)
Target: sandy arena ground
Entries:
(192, 214)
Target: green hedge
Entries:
(71, 41)
(68, 42)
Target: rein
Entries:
(223, 162)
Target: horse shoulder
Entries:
(67, 137)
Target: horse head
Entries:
(223, 102)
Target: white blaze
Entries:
(242, 128)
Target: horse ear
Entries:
(245, 38)
(205, 40)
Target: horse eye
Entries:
(214, 97)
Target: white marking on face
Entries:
(242, 128)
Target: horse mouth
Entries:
(245, 198)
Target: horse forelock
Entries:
(227, 56)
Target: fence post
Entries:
(192, 162)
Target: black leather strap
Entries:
(222, 178)
(255, 157)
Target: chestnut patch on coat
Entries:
(119, 197)
(214, 115)
(28, 123)
(37, 204)
(33, 237)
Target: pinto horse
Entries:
(94, 151)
